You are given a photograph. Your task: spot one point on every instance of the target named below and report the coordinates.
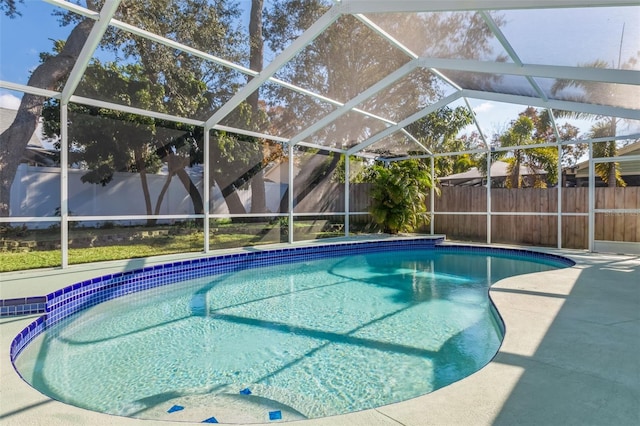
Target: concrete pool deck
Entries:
(569, 357)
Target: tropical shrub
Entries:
(398, 195)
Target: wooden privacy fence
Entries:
(541, 227)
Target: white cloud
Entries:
(483, 107)
(9, 101)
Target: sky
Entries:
(23, 38)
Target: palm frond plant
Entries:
(399, 196)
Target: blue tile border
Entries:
(61, 304)
(553, 259)
(23, 306)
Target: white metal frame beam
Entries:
(93, 40)
(495, 29)
(377, 29)
(392, 129)
(29, 89)
(350, 105)
(134, 110)
(516, 68)
(289, 52)
(75, 8)
(368, 6)
(601, 75)
(172, 44)
(632, 114)
(168, 117)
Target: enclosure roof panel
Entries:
(348, 75)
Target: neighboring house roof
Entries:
(6, 118)
(35, 152)
(279, 172)
(627, 168)
(499, 169)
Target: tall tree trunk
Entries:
(258, 195)
(164, 190)
(319, 171)
(173, 165)
(515, 174)
(223, 180)
(231, 198)
(145, 184)
(47, 75)
(612, 181)
(198, 207)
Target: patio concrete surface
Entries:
(570, 355)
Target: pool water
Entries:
(303, 340)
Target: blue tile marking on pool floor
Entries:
(79, 296)
(246, 391)
(175, 408)
(210, 420)
(275, 415)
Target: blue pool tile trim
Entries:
(23, 306)
(65, 302)
(554, 259)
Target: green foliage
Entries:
(398, 196)
(10, 8)
(150, 76)
(234, 158)
(438, 133)
(528, 130)
(105, 141)
(359, 170)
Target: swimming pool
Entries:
(235, 345)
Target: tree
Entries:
(256, 53)
(544, 132)
(438, 132)
(10, 7)
(609, 172)
(342, 62)
(48, 75)
(535, 127)
(520, 134)
(106, 141)
(211, 27)
(177, 83)
(448, 35)
(231, 168)
(398, 196)
(349, 57)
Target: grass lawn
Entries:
(151, 246)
